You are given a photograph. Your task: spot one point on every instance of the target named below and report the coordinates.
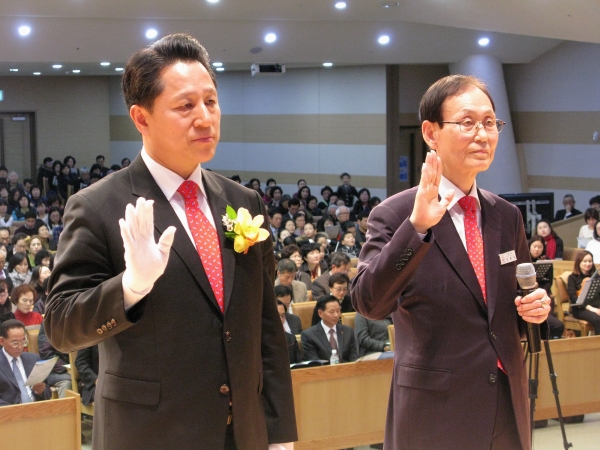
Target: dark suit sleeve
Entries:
(84, 365)
(387, 261)
(363, 339)
(559, 247)
(352, 348)
(309, 347)
(572, 288)
(86, 289)
(277, 380)
(318, 290)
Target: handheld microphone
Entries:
(526, 280)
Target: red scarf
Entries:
(550, 246)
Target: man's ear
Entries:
(139, 115)
(430, 132)
(320, 313)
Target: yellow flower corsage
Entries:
(244, 230)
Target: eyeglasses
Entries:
(17, 344)
(340, 289)
(469, 126)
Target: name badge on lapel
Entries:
(507, 257)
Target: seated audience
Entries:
(594, 202)
(292, 251)
(362, 205)
(36, 195)
(293, 206)
(374, 202)
(326, 192)
(361, 227)
(24, 297)
(312, 207)
(583, 268)
(59, 377)
(339, 284)
(274, 222)
(88, 364)
(16, 365)
(43, 233)
(291, 323)
(254, 183)
(286, 272)
(55, 223)
(554, 244)
(594, 245)
(282, 235)
(30, 225)
(292, 343)
(346, 191)
(303, 194)
(308, 232)
(290, 225)
(372, 335)
(276, 194)
(319, 340)
(39, 275)
(569, 211)
(299, 222)
(18, 269)
(348, 245)
(312, 263)
(42, 258)
(18, 213)
(342, 214)
(340, 263)
(6, 219)
(5, 304)
(42, 211)
(45, 171)
(34, 245)
(326, 221)
(591, 216)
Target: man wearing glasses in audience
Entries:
(16, 365)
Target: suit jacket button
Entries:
(493, 335)
(113, 322)
(493, 378)
(228, 336)
(99, 331)
(409, 252)
(104, 328)
(399, 266)
(108, 325)
(224, 389)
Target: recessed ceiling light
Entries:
(220, 69)
(388, 5)
(14, 70)
(483, 41)
(340, 5)
(151, 33)
(327, 64)
(217, 64)
(270, 38)
(76, 70)
(119, 69)
(37, 73)
(383, 40)
(24, 30)
(105, 63)
(57, 66)
(212, 1)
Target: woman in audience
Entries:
(590, 216)
(309, 232)
(303, 193)
(4, 194)
(311, 206)
(70, 162)
(23, 297)
(64, 181)
(276, 194)
(5, 304)
(43, 258)
(18, 269)
(594, 245)
(364, 195)
(56, 169)
(36, 195)
(34, 245)
(281, 235)
(13, 199)
(125, 162)
(299, 222)
(374, 202)
(323, 240)
(326, 192)
(55, 225)
(326, 221)
(18, 213)
(42, 211)
(290, 225)
(312, 263)
(6, 219)
(583, 268)
(38, 276)
(537, 248)
(554, 244)
(254, 183)
(43, 233)
(293, 252)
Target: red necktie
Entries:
(206, 238)
(474, 241)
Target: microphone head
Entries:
(526, 276)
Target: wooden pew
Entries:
(47, 425)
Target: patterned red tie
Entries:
(474, 241)
(206, 238)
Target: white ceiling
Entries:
(81, 33)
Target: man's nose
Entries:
(203, 117)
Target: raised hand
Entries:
(145, 259)
(428, 209)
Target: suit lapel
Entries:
(143, 185)
(448, 240)
(492, 234)
(218, 204)
(7, 369)
(340, 340)
(323, 336)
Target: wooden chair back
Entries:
(45, 187)
(352, 272)
(310, 297)
(353, 262)
(348, 319)
(391, 337)
(48, 425)
(70, 190)
(304, 310)
(32, 337)
(563, 306)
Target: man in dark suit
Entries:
(569, 211)
(16, 363)
(291, 322)
(446, 273)
(339, 263)
(319, 340)
(192, 351)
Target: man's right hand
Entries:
(428, 210)
(145, 260)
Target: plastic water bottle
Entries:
(334, 358)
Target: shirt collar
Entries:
(446, 185)
(326, 328)
(167, 180)
(9, 358)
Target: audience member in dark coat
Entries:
(87, 365)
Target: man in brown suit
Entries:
(189, 359)
(459, 377)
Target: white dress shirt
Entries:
(326, 328)
(455, 210)
(21, 369)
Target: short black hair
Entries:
(338, 278)
(345, 174)
(29, 215)
(282, 291)
(293, 201)
(339, 259)
(322, 302)
(9, 325)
